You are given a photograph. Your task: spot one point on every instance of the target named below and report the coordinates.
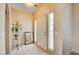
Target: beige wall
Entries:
(56, 8)
(41, 18)
(23, 18)
(75, 27)
(2, 28)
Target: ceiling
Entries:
(24, 7)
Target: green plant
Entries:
(16, 27)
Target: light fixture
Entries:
(32, 4)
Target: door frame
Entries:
(7, 28)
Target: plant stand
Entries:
(16, 38)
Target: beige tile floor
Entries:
(30, 49)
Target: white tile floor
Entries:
(30, 49)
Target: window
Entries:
(51, 31)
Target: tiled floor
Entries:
(30, 49)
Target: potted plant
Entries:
(16, 29)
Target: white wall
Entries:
(58, 28)
(67, 28)
(2, 28)
(75, 27)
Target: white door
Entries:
(41, 32)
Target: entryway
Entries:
(35, 32)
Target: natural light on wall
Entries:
(35, 30)
(51, 31)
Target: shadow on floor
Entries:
(74, 53)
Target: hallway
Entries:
(36, 24)
(30, 49)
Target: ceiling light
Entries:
(30, 4)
